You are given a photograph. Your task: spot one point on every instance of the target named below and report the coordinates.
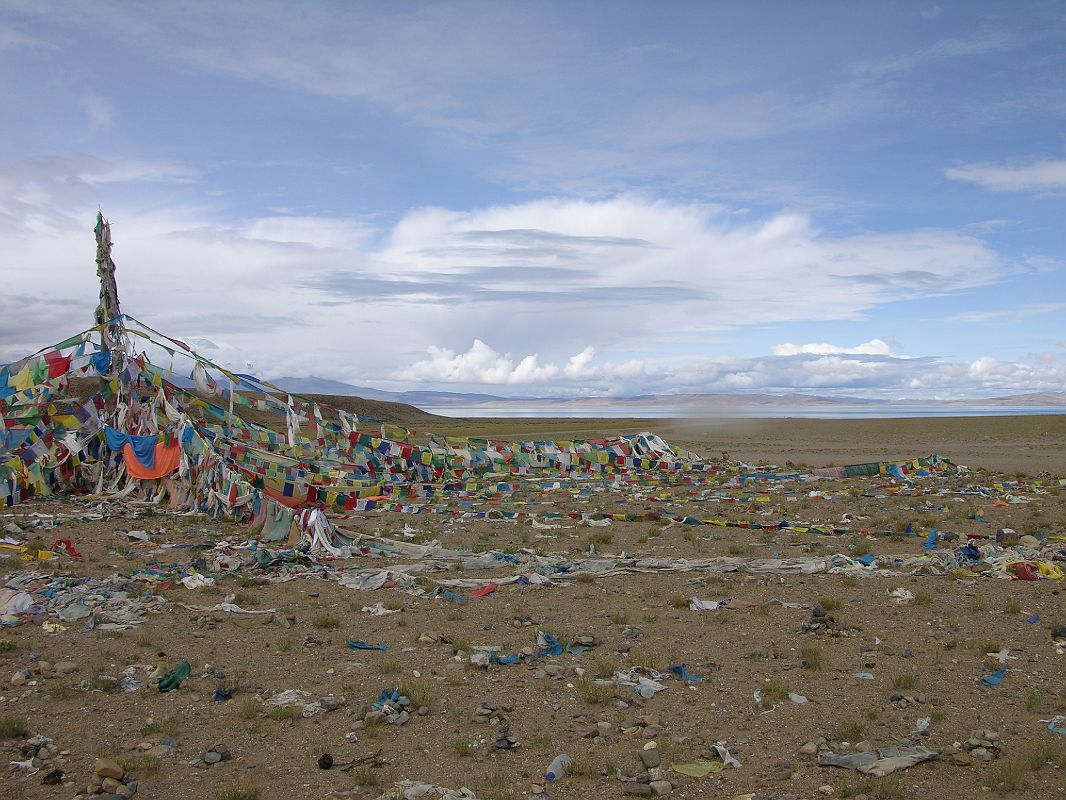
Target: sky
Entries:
(858, 199)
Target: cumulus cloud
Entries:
(1038, 175)
(885, 377)
(479, 364)
(482, 364)
(877, 347)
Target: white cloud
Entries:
(1019, 312)
(482, 364)
(1043, 175)
(886, 377)
(873, 347)
(345, 298)
(580, 367)
(479, 364)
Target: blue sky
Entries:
(551, 198)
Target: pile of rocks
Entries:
(395, 712)
(216, 755)
(982, 746)
(905, 700)
(652, 781)
(823, 623)
(488, 713)
(110, 779)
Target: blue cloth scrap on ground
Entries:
(356, 645)
(680, 671)
(996, 678)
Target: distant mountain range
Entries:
(440, 400)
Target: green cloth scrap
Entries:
(698, 769)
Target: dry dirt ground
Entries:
(931, 649)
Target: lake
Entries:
(769, 412)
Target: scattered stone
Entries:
(651, 758)
(636, 789)
(331, 702)
(106, 768)
(661, 788)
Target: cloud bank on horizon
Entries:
(863, 199)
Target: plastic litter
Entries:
(881, 762)
(379, 610)
(901, 595)
(359, 645)
(557, 769)
(725, 755)
(1056, 724)
(417, 790)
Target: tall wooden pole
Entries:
(107, 312)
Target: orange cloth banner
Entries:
(167, 459)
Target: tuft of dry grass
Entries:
(249, 708)
(1011, 773)
(419, 692)
(812, 657)
(597, 694)
(904, 682)
(365, 775)
(12, 727)
(238, 791)
(849, 732)
(649, 658)
(773, 692)
(599, 538)
(325, 622)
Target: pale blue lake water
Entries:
(664, 412)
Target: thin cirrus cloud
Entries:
(1021, 312)
(1038, 175)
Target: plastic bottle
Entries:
(557, 769)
